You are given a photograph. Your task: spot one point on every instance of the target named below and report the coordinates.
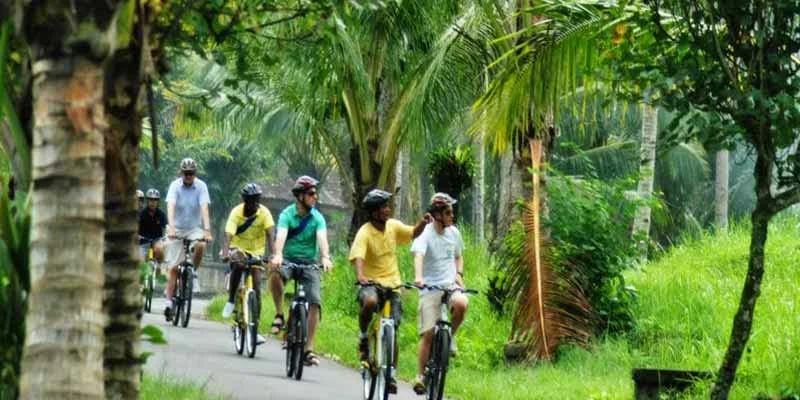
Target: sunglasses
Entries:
(188, 173)
(312, 194)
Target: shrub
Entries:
(451, 170)
(589, 224)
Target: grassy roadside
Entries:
(686, 303)
(163, 387)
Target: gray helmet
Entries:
(187, 164)
(304, 183)
(375, 199)
(153, 194)
(251, 190)
(139, 194)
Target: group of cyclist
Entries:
(301, 239)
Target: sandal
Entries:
(276, 325)
(310, 359)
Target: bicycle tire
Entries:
(251, 325)
(177, 301)
(442, 361)
(290, 348)
(301, 330)
(186, 306)
(387, 347)
(148, 297)
(238, 337)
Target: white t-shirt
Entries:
(439, 264)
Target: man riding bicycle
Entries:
(301, 232)
(374, 254)
(188, 218)
(438, 262)
(152, 222)
(248, 233)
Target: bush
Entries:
(451, 170)
(589, 223)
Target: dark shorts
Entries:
(397, 304)
(311, 283)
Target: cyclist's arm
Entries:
(460, 270)
(359, 263)
(206, 218)
(419, 227)
(171, 214)
(322, 240)
(280, 241)
(226, 242)
(418, 258)
(269, 242)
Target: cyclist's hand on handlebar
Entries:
(171, 232)
(223, 255)
(460, 281)
(277, 260)
(207, 236)
(419, 282)
(363, 280)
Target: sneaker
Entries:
(260, 339)
(453, 348)
(363, 348)
(195, 285)
(419, 385)
(227, 310)
(392, 385)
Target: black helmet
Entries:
(251, 190)
(375, 199)
(153, 194)
(304, 183)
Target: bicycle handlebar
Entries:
(445, 289)
(379, 286)
(301, 266)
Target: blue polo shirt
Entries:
(188, 200)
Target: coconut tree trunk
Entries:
(647, 159)
(122, 300)
(721, 190)
(63, 356)
(478, 213)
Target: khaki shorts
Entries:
(174, 247)
(429, 308)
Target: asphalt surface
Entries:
(203, 353)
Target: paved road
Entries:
(204, 353)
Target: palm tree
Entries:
(63, 356)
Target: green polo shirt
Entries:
(303, 247)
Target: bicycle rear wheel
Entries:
(387, 347)
(251, 324)
(301, 329)
(186, 300)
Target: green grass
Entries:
(685, 306)
(164, 387)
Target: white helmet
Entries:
(187, 164)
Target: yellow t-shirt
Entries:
(252, 240)
(379, 250)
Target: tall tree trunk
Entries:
(479, 215)
(403, 178)
(122, 299)
(721, 190)
(63, 357)
(647, 159)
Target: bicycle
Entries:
(376, 371)
(297, 325)
(150, 279)
(182, 301)
(438, 362)
(245, 317)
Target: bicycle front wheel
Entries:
(186, 308)
(290, 348)
(301, 329)
(177, 302)
(387, 347)
(251, 324)
(148, 296)
(441, 359)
